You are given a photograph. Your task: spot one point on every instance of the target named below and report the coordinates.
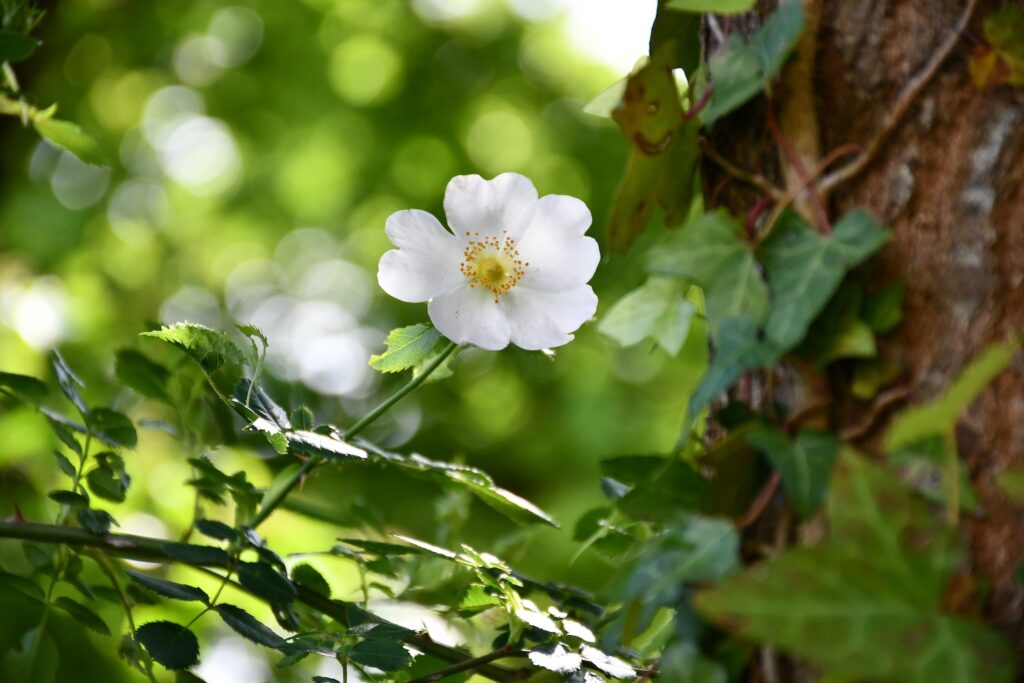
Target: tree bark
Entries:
(949, 182)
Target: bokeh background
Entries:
(255, 151)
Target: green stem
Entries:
(281, 493)
(108, 569)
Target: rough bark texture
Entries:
(949, 182)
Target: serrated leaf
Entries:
(407, 347)
(24, 388)
(476, 599)
(137, 371)
(69, 498)
(386, 655)
(169, 589)
(303, 418)
(805, 268)
(14, 47)
(112, 428)
(613, 666)
(656, 310)
(713, 252)
(247, 626)
(311, 443)
(712, 6)
(867, 604)
(70, 137)
(108, 484)
(23, 586)
(97, 522)
(262, 404)
(82, 615)
(939, 416)
(191, 553)
(263, 581)
(804, 463)
(69, 382)
(737, 350)
(744, 69)
(214, 529)
(169, 644)
(308, 577)
(208, 347)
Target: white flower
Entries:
(515, 269)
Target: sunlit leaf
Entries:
(714, 6)
(71, 137)
(656, 310)
(311, 443)
(407, 347)
(210, 348)
(557, 658)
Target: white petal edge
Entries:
(469, 315)
(426, 263)
(488, 207)
(559, 254)
(543, 320)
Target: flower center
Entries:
(492, 262)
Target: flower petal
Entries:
(488, 207)
(426, 262)
(542, 319)
(470, 315)
(559, 254)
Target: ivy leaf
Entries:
(737, 349)
(939, 416)
(71, 137)
(884, 311)
(24, 388)
(82, 615)
(169, 644)
(867, 604)
(14, 47)
(245, 625)
(210, 348)
(804, 463)
(805, 268)
(137, 371)
(663, 152)
(263, 581)
(190, 553)
(407, 347)
(713, 6)
(712, 251)
(745, 69)
(656, 310)
(168, 589)
(1002, 60)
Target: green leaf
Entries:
(664, 152)
(737, 350)
(712, 6)
(311, 443)
(884, 311)
(383, 654)
(605, 102)
(867, 604)
(853, 339)
(407, 347)
(262, 404)
(1011, 482)
(804, 463)
(169, 644)
(15, 47)
(939, 416)
(805, 268)
(191, 553)
(308, 577)
(303, 418)
(169, 589)
(109, 480)
(713, 252)
(137, 371)
(68, 498)
(71, 137)
(210, 348)
(656, 310)
(926, 467)
(97, 522)
(69, 382)
(34, 661)
(82, 615)
(744, 69)
(112, 428)
(674, 488)
(245, 625)
(263, 581)
(24, 388)
(215, 529)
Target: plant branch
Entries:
(469, 664)
(282, 492)
(903, 103)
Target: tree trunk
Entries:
(949, 182)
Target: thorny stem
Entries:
(281, 493)
(469, 664)
(903, 102)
